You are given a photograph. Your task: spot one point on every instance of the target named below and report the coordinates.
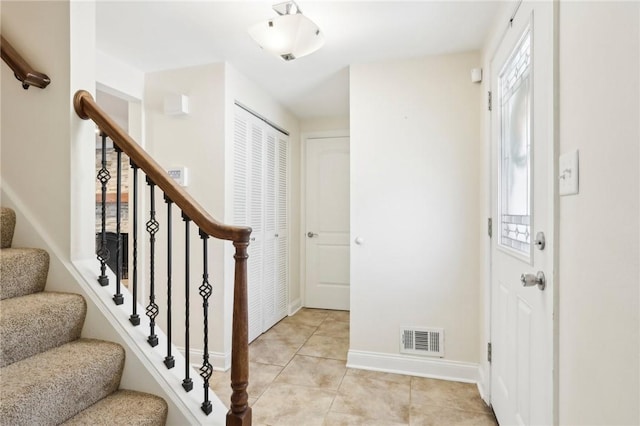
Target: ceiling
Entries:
(157, 35)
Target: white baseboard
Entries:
(434, 368)
(483, 385)
(295, 306)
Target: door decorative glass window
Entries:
(515, 155)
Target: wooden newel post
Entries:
(240, 413)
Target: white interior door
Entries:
(522, 141)
(327, 223)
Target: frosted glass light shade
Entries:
(288, 36)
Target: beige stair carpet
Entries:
(37, 322)
(49, 375)
(7, 226)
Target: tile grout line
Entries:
(336, 392)
(288, 362)
(333, 392)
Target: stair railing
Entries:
(239, 412)
(21, 68)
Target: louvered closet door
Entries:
(247, 208)
(282, 227)
(275, 286)
(256, 222)
(270, 316)
(260, 201)
(241, 213)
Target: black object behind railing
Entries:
(174, 196)
(112, 246)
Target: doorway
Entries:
(327, 223)
(522, 248)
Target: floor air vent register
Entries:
(422, 341)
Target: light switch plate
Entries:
(568, 173)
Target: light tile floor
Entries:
(298, 376)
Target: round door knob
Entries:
(530, 280)
(311, 234)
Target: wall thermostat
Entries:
(179, 175)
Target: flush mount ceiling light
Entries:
(290, 35)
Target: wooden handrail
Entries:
(21, 68)
(87, 108)
(239, 413)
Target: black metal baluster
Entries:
(135, 318)
(152, 229)
(187, 383)
(118, 299)
(169, 361)
(103, 252)
(205, 291)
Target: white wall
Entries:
(599, 228)
(201, 141)
(415, 149)
(324, 124)
(36, 124)
(196, 141)
(48, 156)
(112, 73)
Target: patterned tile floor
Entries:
(298, 376)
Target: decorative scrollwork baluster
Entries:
(103, 252)
(205, 291)
(152, 228)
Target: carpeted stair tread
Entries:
(38, 322)
(53, 386)
(7, 226)
(22, 271)
(124, 407)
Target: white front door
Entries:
(522, 120)
(327, 223)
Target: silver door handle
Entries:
(311, 234)
(530, 280)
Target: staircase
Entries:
(48, 373)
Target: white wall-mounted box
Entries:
(175, 104)
(179, 174)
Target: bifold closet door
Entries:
(247, 209)
(274, 288)
(260, 201)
